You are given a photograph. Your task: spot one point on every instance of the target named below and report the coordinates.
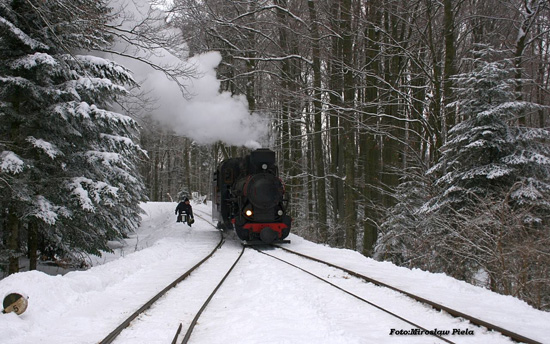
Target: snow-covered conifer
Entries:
(68, 159)
(488, 154)
(482, 210)
(492, 212)
(402, 235)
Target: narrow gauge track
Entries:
(116, 332)
(187, 335)
(354, 295)
(194, 322)
(203, 218)
(476, 321)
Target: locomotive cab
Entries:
(228, 172)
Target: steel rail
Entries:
(202, 217)
(111, 336)
(514, 336)
(357, 297)
(174, 341)
(205, 304)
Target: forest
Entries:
(411, 131)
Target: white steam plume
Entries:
(207, 115)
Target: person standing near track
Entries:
(184, 207)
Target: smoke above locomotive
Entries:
(249, 197)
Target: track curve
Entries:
(476, 321)
(358, 297)
(205, 304)
(116, 332)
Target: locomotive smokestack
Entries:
(262, 160)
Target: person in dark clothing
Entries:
(184, 207)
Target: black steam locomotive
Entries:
(248, 195)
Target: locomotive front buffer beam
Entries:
(263, 243)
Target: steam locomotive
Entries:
(248, 196)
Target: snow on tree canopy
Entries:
(11, 163)
(94, 85)
(527, 192)
(525, 157)
(51, 150)
(106, 158)
(484, 153)
(105, 68)
(23, 37)
(57, 104)
(48, 212)
(488, 196)
(88, 192)
(33, 60)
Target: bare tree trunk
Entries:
(288, 126)
(450, 64)
(336, 142)
(369, 142)
(13, 242)
(156, 178)
(391, 148)
(251, 65)
(318, 155)
(434, 119)
(532, 8)
(350, 213)
(32, 245)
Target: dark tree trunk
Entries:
(32, 245)
(13, 242)
(318, 156)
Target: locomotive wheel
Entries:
(268, 235)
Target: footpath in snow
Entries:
(84, 306)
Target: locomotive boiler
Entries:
(249, 197)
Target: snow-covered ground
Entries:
(263, 301)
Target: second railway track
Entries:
(187, 301)
(436, 306)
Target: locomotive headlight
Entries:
(280, 212)
(264, 166)
(248, 212)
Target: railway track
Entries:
(191, 327)
(359, 297)
(124, 324)
(257, 309)
(111, 337)
(185, 337)
(204, 217)
(182, 336)
(439, 307)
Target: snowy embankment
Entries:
(84, 306)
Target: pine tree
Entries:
(67, 161)
(401, 234)
(487, 154)
(489, 221)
